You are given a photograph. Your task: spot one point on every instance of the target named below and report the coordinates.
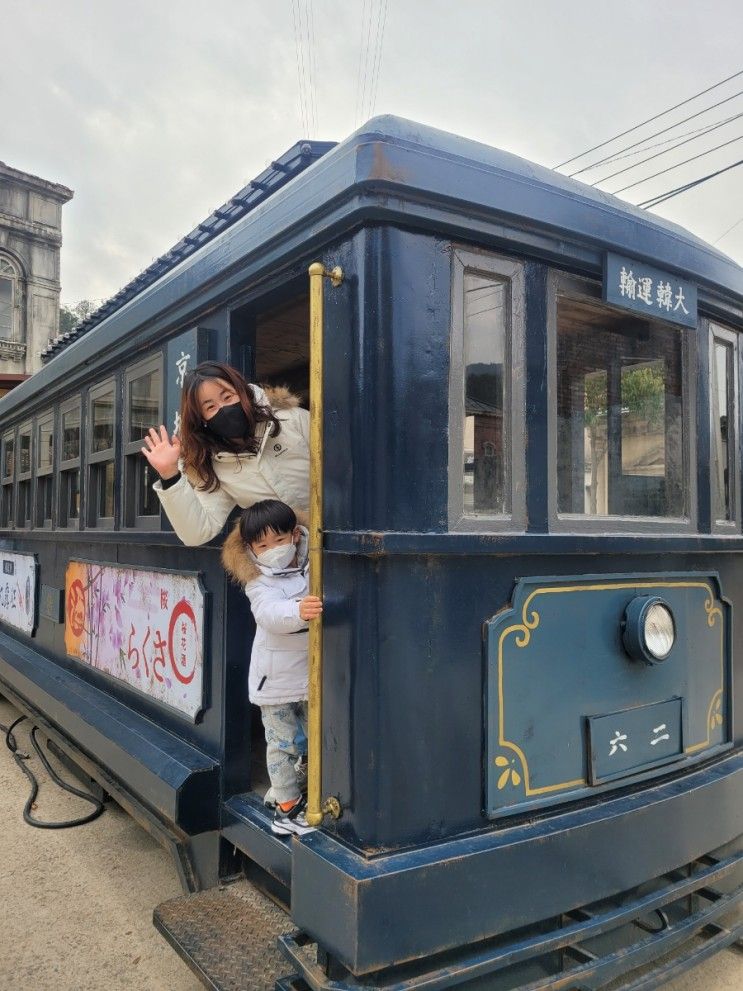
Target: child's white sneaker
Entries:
(292, 821)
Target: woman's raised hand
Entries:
(162, 452)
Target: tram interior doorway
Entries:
(271, 346)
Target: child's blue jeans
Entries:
(286, 742)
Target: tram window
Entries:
(44, 471)
(101, 472)
(723, 403)
(69, 467)
(622, 445)
(7, 508)
(23, 518)
(484, 291)
(143, 408)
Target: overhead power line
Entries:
(657, 134)
(678, 165)
(704, 132)
(729, 231)
(636, 127)
(662, 197)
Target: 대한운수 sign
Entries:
(639, 287)
(145, 628)
(18, 590)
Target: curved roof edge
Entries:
(463, 169)
(373, 172)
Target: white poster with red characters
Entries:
(145, 628)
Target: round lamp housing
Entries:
(649, 629)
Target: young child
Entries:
(276, 546)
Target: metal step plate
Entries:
(227, 936)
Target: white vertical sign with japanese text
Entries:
(18, 590)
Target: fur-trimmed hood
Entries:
(240, 562)
(276, 396)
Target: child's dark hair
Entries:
(268, 514)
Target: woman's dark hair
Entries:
(269, 514)
(198, 444)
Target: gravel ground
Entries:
(77, 903)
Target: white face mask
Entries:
(277, 557)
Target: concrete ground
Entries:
(77, 903)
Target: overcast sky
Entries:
(156, 112)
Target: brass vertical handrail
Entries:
(316, 809)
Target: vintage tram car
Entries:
(526, 751)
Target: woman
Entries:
(238, 444)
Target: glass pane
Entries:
(144, 404)
(45, 445)
(721, 398)
(147, 502)
(486, 307)
(43, 500)
(8, 457)
(70, 501)
(105, 484)
(71, 434)
(6, 308)
(103, 422)
(24, 503)
(25, 450)
(595, 443)
(7, 505)
(621, 449)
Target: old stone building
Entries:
(30, 240)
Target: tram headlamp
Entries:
(649, 630)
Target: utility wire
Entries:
(382, 19)
(365, 57)
(678, 165)
(658, 154)
(662, 197)
(313, 53)
(729, 231)
(657, 134)
(300, 71)
(649, 120)
(311, 97)
(659, 144)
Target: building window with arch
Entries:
(11, 344)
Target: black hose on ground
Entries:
(20, 758)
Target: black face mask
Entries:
(229, 422)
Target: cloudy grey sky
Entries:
(156, 112)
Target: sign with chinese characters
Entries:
(145, 628)
(639, 287)
(18, 591)
(627, 742)
(184, 353)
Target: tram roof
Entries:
(396, 170)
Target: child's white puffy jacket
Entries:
(278, 662)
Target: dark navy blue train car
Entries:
(527, 422)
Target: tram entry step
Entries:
(227, 936)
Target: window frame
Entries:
(582, 289)
(132, 448)
(44, 419)
(25, 477)
(8, 482)
(13, 348)
(95, 458)
(500, 267)
(70, 464)
(728, 337)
